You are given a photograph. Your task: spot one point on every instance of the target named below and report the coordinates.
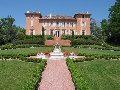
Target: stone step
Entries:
(60, 42)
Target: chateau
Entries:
(57, 25)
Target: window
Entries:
(44, 23)
(32, 16)
(51, 23)
(31, 23)
(63, 24)
(32, 32)
(83, 32)
(57, 23)
(83, 16)
(83, 24)
(51, 32)
(63, 32)
(71, 24)
(54, 23)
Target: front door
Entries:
(57, 33)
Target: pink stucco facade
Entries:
(57, 24)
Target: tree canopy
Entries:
(111, 27)
(8, 30)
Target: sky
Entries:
(17, 8)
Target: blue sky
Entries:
(17, 8)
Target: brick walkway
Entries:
(56, 76)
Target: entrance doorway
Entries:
(57, 33)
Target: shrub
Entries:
(49, 37)
(79, 82)
(32, 84)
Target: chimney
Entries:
(28, 11)
(50, 15)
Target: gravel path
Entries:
(56, 76)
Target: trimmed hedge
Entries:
(22, 57)
(29, 41)
(95, 57)
(7, 47)
(33, 83)
(79, 82)
(103, 47)
(49, 37)
(82, 39)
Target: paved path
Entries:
(56, 76)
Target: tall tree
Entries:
(95, 29)
(7, 29)
(72, 38)
(104, 27)
(93, 24)
(43, 34)
(114, 23)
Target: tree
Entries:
(104, 27)
(95, 29)
(43, 32)
(72, 38)
(114, 23)
(93, 24)
(8, 33)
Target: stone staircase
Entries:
(60, 42)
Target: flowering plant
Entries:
(66, 53)
(38, 52)
(75, 52)
(47, 53)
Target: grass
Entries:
(91, 51)
(14, 74)
(101, 74)
(25, 50)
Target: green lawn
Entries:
(25, 50)
(101, 74)
(14, 74)
(91, 51)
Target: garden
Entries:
(99, 65)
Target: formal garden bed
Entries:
(17, 75)
(93, 55)
(100, 74)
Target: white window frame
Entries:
(44, 23)
(33, 32)
(57, 23)
(54, 23)
(51, 23)
(83, 23)
(85, 32)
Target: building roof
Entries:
(83, 13)
(57, 17)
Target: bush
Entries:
(49, 37)
(33, 83)
(79, 82)
(82, 39)
(29, 41)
